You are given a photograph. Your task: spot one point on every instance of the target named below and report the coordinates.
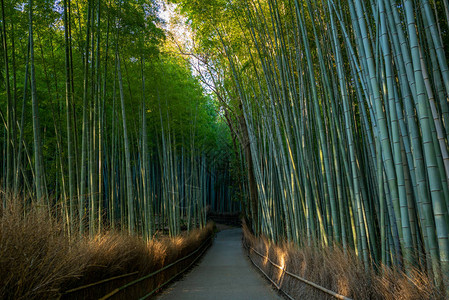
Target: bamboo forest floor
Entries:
(223, 273)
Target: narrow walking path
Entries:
(223, 273)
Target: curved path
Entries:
(223, 273)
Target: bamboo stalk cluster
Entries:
(114, 137)
(345, 109)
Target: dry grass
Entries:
(336, 271)
(39, 261)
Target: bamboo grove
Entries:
(104, 122)
(341, 110)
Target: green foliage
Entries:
(77, 92)
(341, 112)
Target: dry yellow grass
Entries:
(336, 271)
(39, 261)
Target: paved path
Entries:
(223, 273)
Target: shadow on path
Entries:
(223, 273)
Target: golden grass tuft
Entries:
(35, 255)
(337, 271)
(397, 285)
(39, 261)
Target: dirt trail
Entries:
(223, 273)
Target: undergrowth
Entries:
(337, 271)
(39, 261)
